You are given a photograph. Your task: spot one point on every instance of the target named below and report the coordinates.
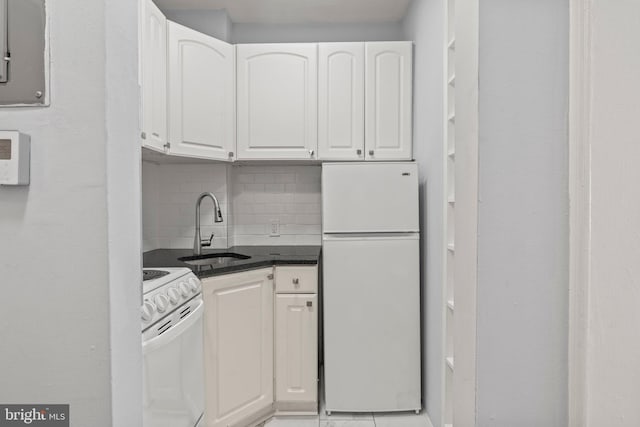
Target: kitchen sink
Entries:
(212, 259)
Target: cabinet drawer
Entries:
(297, 279)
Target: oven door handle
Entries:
(168, 336)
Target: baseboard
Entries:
(296, 408)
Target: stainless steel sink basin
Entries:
(213, 259)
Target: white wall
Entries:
(289, 194)
(522, 302)
(424, 25)
(123, 209)
(613, 344)
(55, 235)
(215, 23)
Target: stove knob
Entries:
(146, 311)
(194, 285)
(161, 301)
(174, 295)
(184, 289)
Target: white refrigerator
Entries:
(371, 287)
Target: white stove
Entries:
(172, 348)
(164, 291)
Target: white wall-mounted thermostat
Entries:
(14, 158)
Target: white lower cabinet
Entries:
(238, 347)
(296, 348)
(296, 334)
(247, 362)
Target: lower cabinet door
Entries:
(238, 347)
(296, 347)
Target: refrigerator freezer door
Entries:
(372, 323)
(370, 197)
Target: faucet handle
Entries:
(205, 243)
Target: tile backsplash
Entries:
(169, 194)
(252, 198)
(288, 196)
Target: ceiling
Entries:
(299, 11)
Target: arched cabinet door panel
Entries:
(388, 100)
(277, 101)
(201, 95)
(341, 101)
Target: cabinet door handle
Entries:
(311, 153)
(371, 152)
(230, 154)
(359, 152)
(309, 303)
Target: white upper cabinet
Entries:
(388, 95)
(153, 64)
(201, 95)
(277, 101)
(292, 101)
(341, 101)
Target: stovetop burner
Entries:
(153, 274)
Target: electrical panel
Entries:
(23, 53)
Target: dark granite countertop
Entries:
(261, 256)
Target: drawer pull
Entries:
(296, 282)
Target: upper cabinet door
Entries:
(201, 94)
(277, 101)
(341, 101)
(153, 63)
(388, 100)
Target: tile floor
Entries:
(352, 420)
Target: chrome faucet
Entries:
(198, 243)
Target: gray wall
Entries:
(523, 214)
(290, 33)
(215, 23)
(424, 25)
(65, 266)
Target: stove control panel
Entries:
(166, 299)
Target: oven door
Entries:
(173, 369)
